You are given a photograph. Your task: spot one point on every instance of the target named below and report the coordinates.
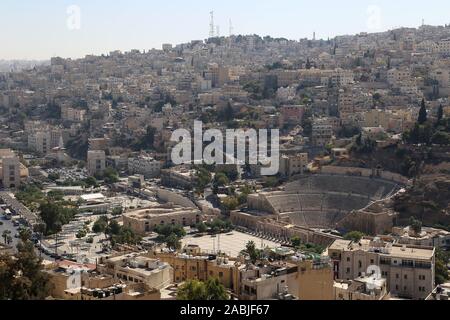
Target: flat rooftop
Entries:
(231, 243)
(400, 251)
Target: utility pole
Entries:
(56, 247)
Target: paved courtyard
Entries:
(231, 244)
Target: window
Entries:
(220, 274)
(348, 259)
(406, 277)
(348, 270)
(360, 264)
(372, 261)
(397, 276)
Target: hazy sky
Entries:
(39, 29)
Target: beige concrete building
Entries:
(363, 288)
(147, 166)
(96, 162)
(145, 220)
(136, 268)
(315, 280)
(292, 165)
(193, 265)
(408, 270)
(10, 169)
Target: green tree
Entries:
(22, 276)
(215, 291)
(113, 228)
(296, 242)
(91, 182)
(201, 227)
(230, 203)
(203, 178)
(441, 270)
(100, 225)
(55, 215)
(110, 176)
(194, 290)
(423, 115)
(5, 235)
(354, 236)
(416, 225)
(251, 251)
(173, 242)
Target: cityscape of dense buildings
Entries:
(91, 195)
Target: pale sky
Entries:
(40, 29)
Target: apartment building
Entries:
(443, 47)
(136, 268)
(178, 177)
(144, 165)
(191, 264)
(408, 270)
(96, 162)
(322, 132)
(315, 279)
(293, 164)
(43, 141)
(292, 115)
(366, 288)
(10, 169)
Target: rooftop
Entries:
(394, 250)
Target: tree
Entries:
(416, 225)
(230, 203)
(251, 251)
(113, 228)
(195, 290)
(192, 290)
(441, 271)
(215, 291)
(55, 215)
(22, 276)
(221, 179)
(440, 114)
(203, 178)
(173, 242)
(110, 176)
(100, 225)
(91, 182)
(201, 227)
(354, 236)
(423, 115)
(5, 235)
(117, 211)
(296, 242)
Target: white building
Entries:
(147, 166)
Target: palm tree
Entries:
(5, 235)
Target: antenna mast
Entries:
(211, 25)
